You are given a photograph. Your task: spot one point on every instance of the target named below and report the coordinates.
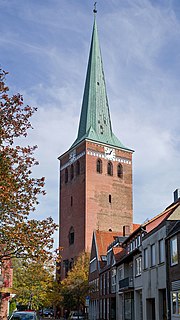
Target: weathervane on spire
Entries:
(95, 10)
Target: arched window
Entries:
(120, 171)
(99, 166)
(78, 168)
(66, 175)
(72, 171)
(110, 168)
(71, 236)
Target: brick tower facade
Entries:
(95, 173)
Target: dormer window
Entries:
(104, 258)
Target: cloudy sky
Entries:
(45, 44)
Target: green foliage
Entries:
(75, 287)
(33, 282)
(19, 190)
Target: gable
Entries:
(175, 215)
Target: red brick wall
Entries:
(72, 212)
(90, 191)
(7, 273)
(100, 214)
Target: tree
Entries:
(75, 287)
(19, 190)
(32, 283)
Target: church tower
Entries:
(96, 171)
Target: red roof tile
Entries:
(103, 239)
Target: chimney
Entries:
(176, 194)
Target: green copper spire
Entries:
(95, 122)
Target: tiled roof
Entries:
(135, 226)
(118, 253)
(155, 221)
(103, 239)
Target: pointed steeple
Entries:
(95, 121)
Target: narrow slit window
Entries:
(71, 201)
(110, 198)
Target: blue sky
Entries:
(45, 44)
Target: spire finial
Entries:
(95, 10)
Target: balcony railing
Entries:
(126, 283)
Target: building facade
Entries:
(173, 266)
(6, 279)
(140, 278)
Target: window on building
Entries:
(130, 271)
(173, 251)
(134, 244)
(105, 280)
(138, 241)
(120, 171)
(108, 258)
(128, 305)
(131, 246)
(78, 168)
(66, 175)
(109, 198)
(100, 307)
(161, 251)
(138, 266)
(108, 308)
(121, 273)
(99, 166)
(71, 236)
(108, 282)
(113, 280)
(101, 282)
(175, 303)
(104, 284)
(153, 255)
(145, 258)
(71, 201)
(72, 171)
(110, 168)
